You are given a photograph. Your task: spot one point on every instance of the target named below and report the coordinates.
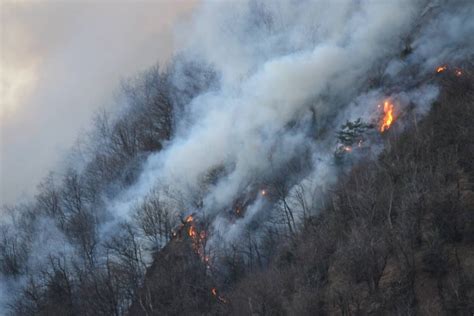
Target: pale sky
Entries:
(61, 61)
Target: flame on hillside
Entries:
(220, 298)
(442, 68)
(388, 117)
(456, 70)
(197, 236)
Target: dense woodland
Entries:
(393, 236)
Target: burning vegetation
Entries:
(356, 136)
(388, 117)
(198, 238)
(458, 72)
(392, 235)
(441, 68)
(216, 295)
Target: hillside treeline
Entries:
(57, 255)
(393, 236)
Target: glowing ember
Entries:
(263, 192)
(220, 298)
(192, 232)
(348, 148)
(441, 68)
(198, 238)
(388, 116)
(458, 72)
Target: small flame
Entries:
(348, 148)
(388, 116)
(458, 72)
(441, 68)
(263, 192)
(220, 298)
(192, 232)
(198, 238)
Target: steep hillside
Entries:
(396, 237)
(292, 158)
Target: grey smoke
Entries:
(290, 73)
(77, 53)
(277, 62)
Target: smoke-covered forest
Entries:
(292, 158)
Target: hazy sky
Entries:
(61, 61)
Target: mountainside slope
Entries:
(396, 236)
(289, 159)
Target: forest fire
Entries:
(455, 70)
(388, 116)
(198, 239)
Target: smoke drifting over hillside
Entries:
(261, 134)
(282, 63)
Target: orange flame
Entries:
(441, 68)
(388, 116)
(198, 238)
(192, 232)
(220, 298)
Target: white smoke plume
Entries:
(284, 61)
(289, 74)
